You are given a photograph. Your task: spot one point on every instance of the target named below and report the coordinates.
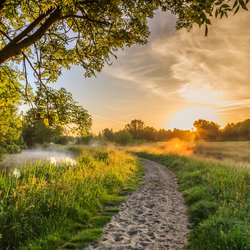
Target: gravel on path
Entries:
(153, 218)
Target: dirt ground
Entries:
(152, 218)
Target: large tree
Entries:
(135, 128)
(55, 114)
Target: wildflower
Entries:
(52, 160)
(69, 161)
(16, 173)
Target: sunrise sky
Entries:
(176, 78)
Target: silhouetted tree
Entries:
(206, 130)
(108, 134)
(85, 139)
(229, 133)
(123, 137)
(149, 134)
(243, 130)
(135, 128)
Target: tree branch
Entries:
(86, 18)
(9, 52)
(25, 32)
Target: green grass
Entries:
(218, 200)
(51, 207)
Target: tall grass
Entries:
(233, 151)
(218, 199)
(47, 201)
(227, 151)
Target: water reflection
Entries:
(28, 156)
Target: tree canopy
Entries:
(135, 128)
(54, 113)
(57, 107)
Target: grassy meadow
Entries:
(236, 151)
(63, 206)
(218, 198)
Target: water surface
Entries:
(35, 155)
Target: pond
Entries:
(35, 155)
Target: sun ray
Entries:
(185, 118)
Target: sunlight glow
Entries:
(185, 118)
(203, 94)
(173, 146)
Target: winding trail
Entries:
(152, 218)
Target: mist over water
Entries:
(35, 155)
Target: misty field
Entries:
(43, 204)
(229, 152)
(218, 199)
(234, 151)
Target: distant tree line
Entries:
(137, 131)
(36, 132)
(211, 131)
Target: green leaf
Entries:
(236, 10)
(242, 4)
(206, 30)
(216, 13)
(235, 4)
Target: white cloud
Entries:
(187, 61)
(216, 66)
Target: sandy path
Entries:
(154, 217)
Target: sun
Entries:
(185, 118)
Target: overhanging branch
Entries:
(15, 49)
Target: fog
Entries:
(35, 155)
